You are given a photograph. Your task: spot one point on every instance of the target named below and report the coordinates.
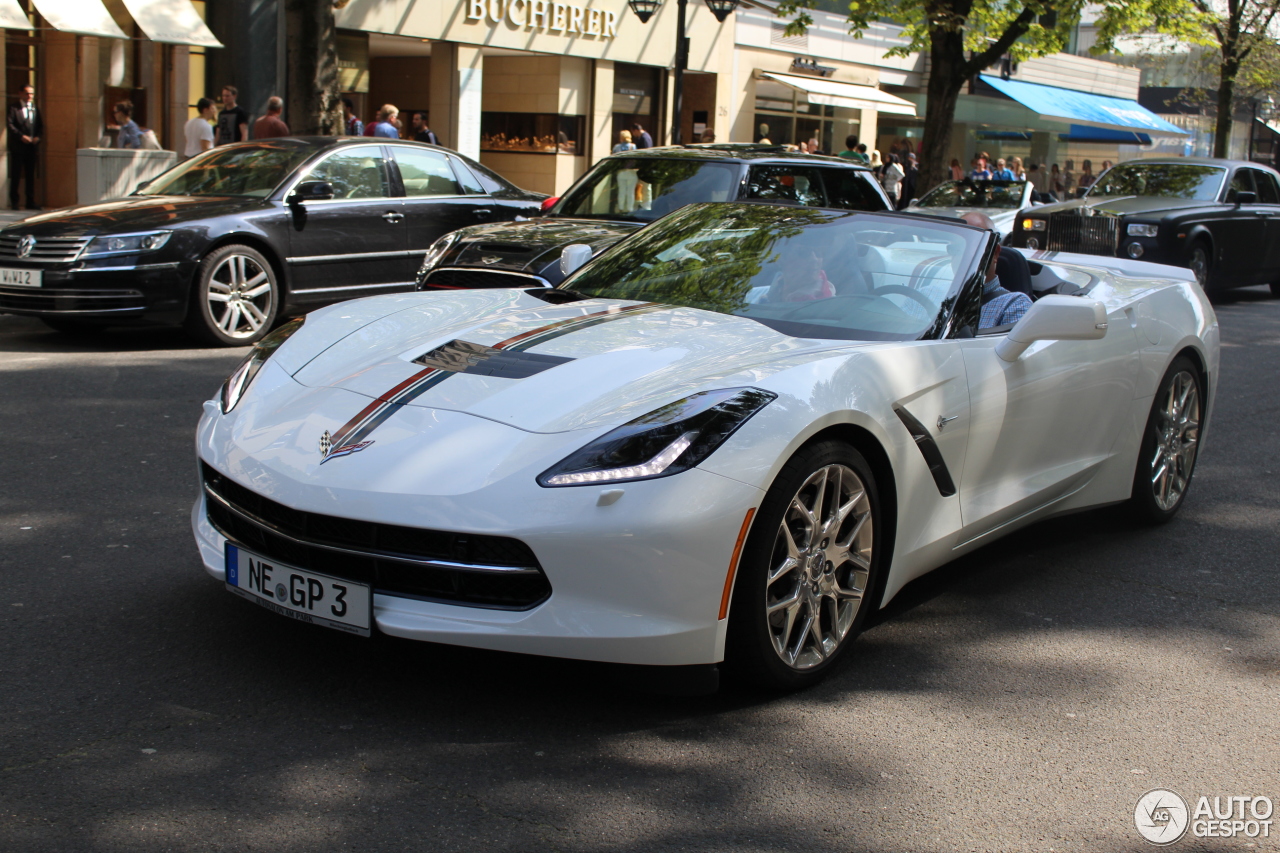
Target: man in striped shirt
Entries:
(1000, 307)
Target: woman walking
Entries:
(891, 179)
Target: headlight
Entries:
(437, 252)
(666, 441)
(1034, 225)
(1138, 229)
(126, 244)
(238, 382)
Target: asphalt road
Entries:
(1021, 698)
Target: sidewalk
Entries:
(8, 216)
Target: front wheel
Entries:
(1170, 444)
(1200, 261)
(235, 298)
(808, 569)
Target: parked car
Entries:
(1220, 218)
(731, 437)
(626, 191)
(231, 239)
(1000, 200)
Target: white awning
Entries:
(12, 17)
(171, 21)
(831, 93)
(82, 17)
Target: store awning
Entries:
(171, 21)
(1068, 105)
(831, 93)
(12, 17)
(82, 17)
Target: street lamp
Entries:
(645, 10)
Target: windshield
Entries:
(250, 170)
(801, 271)
(1162, 180)
(644, 189)
(1003, 195)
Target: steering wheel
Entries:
(910, 293)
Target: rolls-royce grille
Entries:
(1090, 235)
(50, 250)
(459, 278)
(43, 300)
(458, 568)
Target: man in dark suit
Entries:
(26, 126)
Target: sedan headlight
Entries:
(666, 441)
(126, 244)
(1139, 229)
(437, 251)
(1034, 225)
(238, 382)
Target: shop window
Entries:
(531, 133)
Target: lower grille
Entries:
(496, 572)
(1089, 235)
(465, 279)
(69, 301)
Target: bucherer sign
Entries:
(546, 15)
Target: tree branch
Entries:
(1000, 46)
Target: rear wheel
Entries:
(1170, 444)
(807, 571)
(235, 297)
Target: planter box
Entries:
(103, 173)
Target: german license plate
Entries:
(300, 594)
(20, 278)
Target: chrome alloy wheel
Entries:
(820, 566)
(239, 296)
(1177, 438)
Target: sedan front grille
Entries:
(495, 572)
(1089, 235)
(49, 250)
(459, 278)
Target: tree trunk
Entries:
(313, 107)
(1226, 97)
(946, 80)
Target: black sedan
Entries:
(628, 190)
(1220, 218)
(228, 241)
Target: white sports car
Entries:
(727, 439)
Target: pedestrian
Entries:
(862, 154)
(763, 137)
(387, 118)
(233, 121)
(815, 147)
(198, 131)
(271, 126)
(26, 127)
(910, 177)
(1057, 186)
(877, 165)
(708, 135)
(1087, 177)
(354, 126)
(1039, 180)
(421, 132)
(1019, 173)
(130, 135)
(1002, 172)
(624, 142)
(891, 179)
(957, 171)
(640, 136)
(979, 172)
(1069, 180)
(850, 151)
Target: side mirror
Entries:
(548, 203)
(1055, 318)
(141, 186)
(915, 202)
(573, 257)
(311, 191)
(1246, 197)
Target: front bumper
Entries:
(148, 293)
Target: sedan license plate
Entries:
(20, 278)
(300, 594)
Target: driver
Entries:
(1000, 307)
(801, 281)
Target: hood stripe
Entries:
(387, 404)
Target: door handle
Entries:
(483, 214)
(392, 217)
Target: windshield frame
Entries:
(973, 263)
(970, 182)
(605, 164)
(275, 191)
(1224, 173)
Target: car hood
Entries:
(134, 213)
(610, 361)
(1125, 205)
(529, 246)
(1003, 219)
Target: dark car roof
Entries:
(730, 152)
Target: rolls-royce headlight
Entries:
(437, 251)
(1034, 225)
(1141, 229)
(239, 380)
(666, 441)
(126, 244)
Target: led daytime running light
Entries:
(652, 468)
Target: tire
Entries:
(235, 298)
(1170, 444)
(775, 645)
(1200, 262)
(68, 326)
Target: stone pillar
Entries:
(600, 119)
(868, 128)
(457, 76)
(1040, 147)
(59, 91)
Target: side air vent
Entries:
(929, 450)
(466, 357)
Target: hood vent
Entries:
(466, 357)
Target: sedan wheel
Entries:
(1201, 263)
(806, 575)
(1167, 457)
(235, 299)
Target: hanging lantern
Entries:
(644, 9)
(720, 8)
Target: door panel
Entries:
(356, 239)
(1240, 231)
(1268, 209)
(435, 201)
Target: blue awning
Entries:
(1088, 133)
(1074, 107)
